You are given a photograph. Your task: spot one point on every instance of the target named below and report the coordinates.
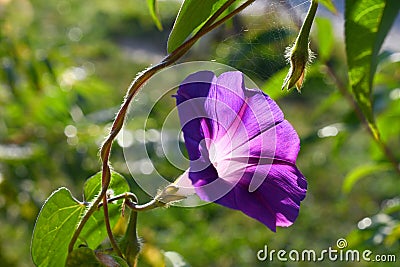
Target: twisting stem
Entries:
(303, 36)
(120, 117)
(109, 230)
(126, 195)
(148, 206)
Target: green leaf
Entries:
(92, 186)
(360, 172)
(325, 38)
(152, 4)
(174, 259)
(389, 15)
(329, 5)
(192, 14)
(54, 228)
(94, 231)
(367, 24)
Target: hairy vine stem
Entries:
(118, 122)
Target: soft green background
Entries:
(65, 66)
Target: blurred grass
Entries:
(65, 66)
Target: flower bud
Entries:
(299, 59)
(169, 194)
(300, 55)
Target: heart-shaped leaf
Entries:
(54, 228)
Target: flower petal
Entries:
(190, 99)
(258, 114)
(262, 113)
(196, 85)
(225, 101)
(280, 143)
(276, 202)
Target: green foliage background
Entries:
(64, 69)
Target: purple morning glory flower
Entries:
(242, 151)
